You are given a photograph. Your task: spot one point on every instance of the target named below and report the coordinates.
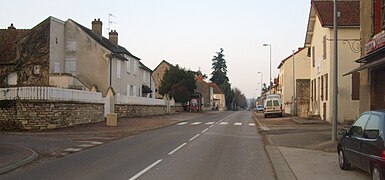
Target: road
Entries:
(214, 146)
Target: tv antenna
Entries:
(110, 22)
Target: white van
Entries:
(273, 106)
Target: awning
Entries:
(146, 89)
(372, 55)
(368, 65)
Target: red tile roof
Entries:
(216, 88)
(8, 39)
(349, 12)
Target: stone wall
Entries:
(303, 97)
(131, 110)
(43, 115)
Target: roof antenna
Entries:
(110, 22)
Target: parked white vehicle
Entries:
(272, 106)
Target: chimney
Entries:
(11, 27)
(113, 36)
(97, 27)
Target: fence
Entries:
(121, 99)
(50, 93)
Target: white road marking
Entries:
(196, 123)
(181, 123)
(205, 130)
(224, 123)
(176, 149)
(264, 128)
(86, 145)
(91, 142)
(251, 124)
(146, 169)
(73, 149)
(211, 126)
(194, 137)
(210, 123)
(237, 124)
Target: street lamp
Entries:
(261, 80)
(270, 66)
(294, 104)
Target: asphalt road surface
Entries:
(214, 146)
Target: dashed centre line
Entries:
(224, 123)
(205, 130)
(238, 124)
(176, 149)
(196, 123)
(191, 139)
(251, 124)
(210, 123)
(146, 169)
(181, 123)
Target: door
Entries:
(352, 142)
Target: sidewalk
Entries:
(20, 148)
(302, 149)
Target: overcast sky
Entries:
(184, 32)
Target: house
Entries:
(75, 57)
(294, 78)
(206, 90)
(371, 71)
(319, 43)
(219, 100)
(158, 74)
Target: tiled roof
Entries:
(349, 12)
(8, 39)
(144, 67)
(216, 88)
(105, 42)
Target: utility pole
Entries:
(294, 104)
(335, 76)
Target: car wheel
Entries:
(344, 165)
(377, 174)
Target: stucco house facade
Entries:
(319, 43)
(80, 58)
(301, 68)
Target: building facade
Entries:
(319, 43)
(301, 68)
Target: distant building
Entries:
(158, 74)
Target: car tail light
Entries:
(264, 109)
(383, 155)
(281, 107)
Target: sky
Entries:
(188, 33)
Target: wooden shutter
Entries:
(356, 86)
(326, 86)
(324, 47)
(322, 88)
(313, 55)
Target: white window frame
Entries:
(128, 65)
(71, 46)
(70, 65)
(128, 89)
(56, 68)
(118, 68)
(135, 67)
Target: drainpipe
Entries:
(110, 78)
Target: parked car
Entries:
(272, 106)
(363, 145)
(260, 108)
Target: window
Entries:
(311, 91)
(313, 55)
(358, 126)
(134, 89)
(118, 68)
(319, 88)
(309, 52)
(324, 47)
(12, 79)
(131, 90)
(135, 67)
(322, 88)
(128, 89)
(315, 90)
(128, 65)
(355, 86)
(268, 103)
(326, 86)
(276, 103)
(56, 68)
(70, 66)
(372, 127)
(139, 91)
(144, 76)
(71, 46)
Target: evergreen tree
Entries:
(178, 83)
(219, 77)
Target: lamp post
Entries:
(261, 80)
(294, 104)
(270, 66)
(335, 76)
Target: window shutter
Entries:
(322, 88)
(128, 90)
(326, 86)
(118, 68)
(324, 47)
(70, 65)
(128, 65)
(313, 55)
(356, 86)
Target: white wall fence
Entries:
(122, 99)
(50, 93)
